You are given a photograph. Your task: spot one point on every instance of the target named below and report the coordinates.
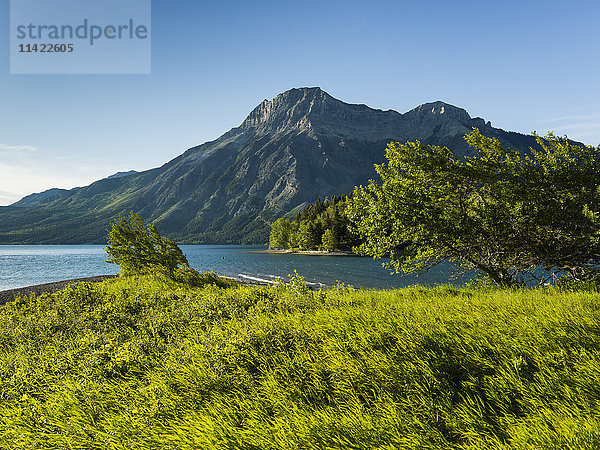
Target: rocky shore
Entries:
(7, 296)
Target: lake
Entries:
(26, 265)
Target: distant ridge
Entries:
(289, 151)
(41, 198)
(53, 194)
(122, 174)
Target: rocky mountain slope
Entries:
(291, 150)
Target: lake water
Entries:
(26, 265)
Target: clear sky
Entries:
(523, 65)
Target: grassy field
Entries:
(148, 363)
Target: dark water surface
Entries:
(26, 265)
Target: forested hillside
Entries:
(320, 226)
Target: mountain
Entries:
(122, 174)
(41, 198)
(289, 151)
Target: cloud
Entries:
(574, 118)
(26, 172)
(6, 198)
(17, 148)
(580, 127)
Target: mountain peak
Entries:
(288, 107)
(296, 95)
(312, 110)
(439, 108)
(121, 174)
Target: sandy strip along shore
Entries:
(7, 296)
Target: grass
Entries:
(149, 363)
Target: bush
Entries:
(138, 250)
(190, 277)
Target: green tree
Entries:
(293, 241)
(329, 240)
(280, 234)
(137, 249)
(322, 216)
(309, 236)
(500, 212)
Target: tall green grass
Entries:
(149, 363)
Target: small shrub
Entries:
(138, 250)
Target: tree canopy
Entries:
(320, 226)
(499, 212)
(137, 249)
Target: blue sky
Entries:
(523, 65)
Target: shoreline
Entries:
(55, 286)
(305, 252)
(48, 288)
